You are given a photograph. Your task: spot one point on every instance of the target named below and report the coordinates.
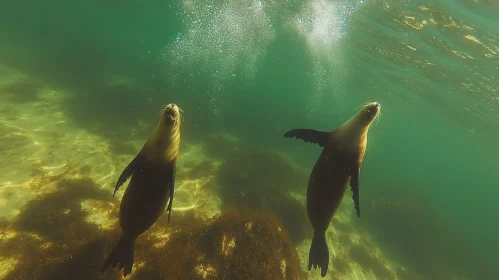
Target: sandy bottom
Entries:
(40, 147)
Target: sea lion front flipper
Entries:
(172, 191)
(127, 172)
(354, 184)
(310, 135)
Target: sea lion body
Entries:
(151, 186)
(337, 166)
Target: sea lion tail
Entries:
(319, 253)
(122, 254)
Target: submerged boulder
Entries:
(234, 245)
(258, 180)
(57, 237)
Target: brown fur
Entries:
(151, 186)
(337, 167)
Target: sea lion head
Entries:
(167, 134)
(368, 113)
(170, 115)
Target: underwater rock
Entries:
(68, 258)
(258, 180)
(52, 215)
(53, 239)
(251, 245)
(234, 245)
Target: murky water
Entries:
(81, 85)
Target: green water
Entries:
(256, 69)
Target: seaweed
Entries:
(251, 245)
(51, 239)
(52, 215)
(234, 245)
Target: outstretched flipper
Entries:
(354, 184)
(319, 137)
(127, 172)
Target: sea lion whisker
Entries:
(362, 106)
(181, 113)
(163, 110)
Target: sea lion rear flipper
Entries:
(310, 135)
(127, 172)
(354, 184)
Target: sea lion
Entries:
(337, 166)
(151, 186)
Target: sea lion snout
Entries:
(370, 111)
(374, 108)
(171, 113)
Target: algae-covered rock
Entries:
(247, 245)
(51, 238)
(234, 245)
(61, 235)
(259, 180)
